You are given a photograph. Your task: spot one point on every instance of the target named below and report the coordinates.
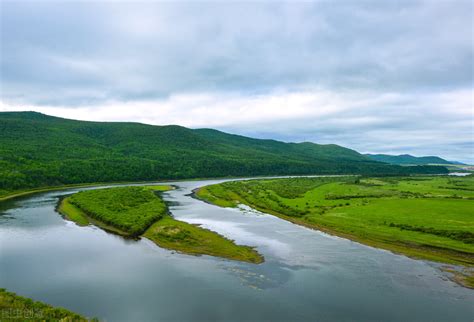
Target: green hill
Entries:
(406, 159)
(38, 150)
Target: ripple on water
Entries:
(307, 275)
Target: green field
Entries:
(17, 308)
(423, 217)
(138, 211)
(130, 209)
(191, 239)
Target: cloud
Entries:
(150, 50)
(391, 76)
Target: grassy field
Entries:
(128, 210)
(72, 212)
(424, 217)
(17, 308)
(191, 239)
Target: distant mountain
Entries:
(457, 163)
(406, 159)
(40, 150)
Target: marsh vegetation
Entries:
(423, 217)
(18, 308)
(140, 211)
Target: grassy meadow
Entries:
(423, 217)
(139, 211)
(130, 209)
(191, 239)
(17, 308)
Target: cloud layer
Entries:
(392, 76)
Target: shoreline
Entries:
(14, 307)
(76, 218)
(464, 278)
(22, 193)
(332, 232)
(163, 234)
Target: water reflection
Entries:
(307, 275)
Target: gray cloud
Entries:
(83, 54)
(145, 50)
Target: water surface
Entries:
(307, 275)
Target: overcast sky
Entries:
(376, 76)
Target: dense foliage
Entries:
(37, 150)
(429, 217)
(464, 236)
(130, 209)
(17, 308)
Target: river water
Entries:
(307, 275)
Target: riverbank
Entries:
(75, 214)
(96, 207)
(4, 196)
(191, 239)
(99, 274)
(18, 308)
(22, 193)
(424, 218)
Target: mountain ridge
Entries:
(407, 159)
(39, 150)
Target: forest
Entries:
(38, 150)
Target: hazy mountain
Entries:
(406, 159)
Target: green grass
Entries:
(422, 217)
(137, 205)
(159, 188)
(17, 308)
(7, 195)
(191, 239)
(72, 212)
(468, 281)
(129, 209)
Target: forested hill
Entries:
(38, 150)
(406, 159)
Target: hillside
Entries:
(406, 159)
(38, 150)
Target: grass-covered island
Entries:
(423, 217)
(17, 308)
(139, 211)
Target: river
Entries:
(307, 275)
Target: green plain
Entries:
(423, 217)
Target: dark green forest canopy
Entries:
(37, 150)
